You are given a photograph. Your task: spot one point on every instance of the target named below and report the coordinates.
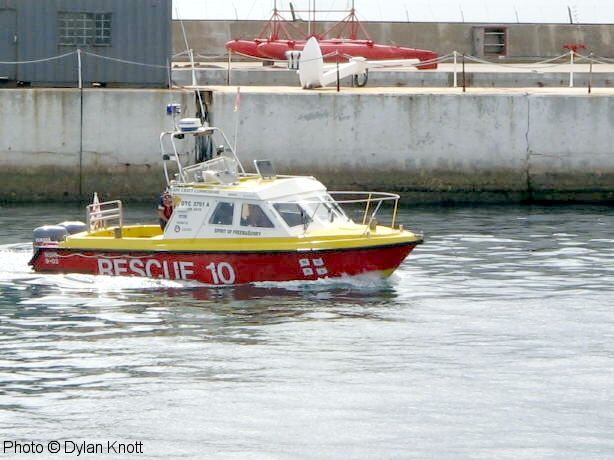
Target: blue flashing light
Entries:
(172, 109)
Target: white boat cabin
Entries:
(252, 207)
(218, 199)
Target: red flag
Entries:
(95, 217)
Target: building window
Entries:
(495, 41)
(81, 29)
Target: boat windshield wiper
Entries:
(305, 219)
(310, 218)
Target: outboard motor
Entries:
(49, 235)
(73, 227)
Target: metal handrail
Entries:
(174, 154)
(98, 215)
(371, 199)
(379, 196)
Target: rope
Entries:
(596, 59)
(187, 53)
(124, 61)
(552, 59)
(483, 61)
(345, 56)
(437, 60)
(255, 58)
(39, 60)
(219, 56)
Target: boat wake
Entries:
(367, 281)
(14, 262)
(15, 272)
(101, 283)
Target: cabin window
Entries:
(334, 211)
(321, 207)
(252, 215)
(81, 29)
(292, 214)
(223, 213)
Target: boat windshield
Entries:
(319, 208)
(293, 214)
(324, 208)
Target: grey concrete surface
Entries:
(434, 145)
(429, 144)
(51, 149)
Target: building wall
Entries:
(432, 147)
(52, 150)
(8, 47)
(487, 146)
(141, 32)
(524, 40)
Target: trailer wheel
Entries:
(361, 79)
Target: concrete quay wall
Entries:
(63, 144)
(442, 78)
(428, 146)
(497, 145)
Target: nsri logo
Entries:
(311, 266)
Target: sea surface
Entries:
(494, 339)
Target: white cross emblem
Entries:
(318, 265)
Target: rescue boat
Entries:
(229, 226)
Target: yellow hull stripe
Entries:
(149, 238)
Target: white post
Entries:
(571, 53)
(191, 54)
(228, 72)
(237, 112)
(79, 68)
(455, 79)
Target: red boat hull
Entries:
(247, 48)
(220, 268)
(337, 49)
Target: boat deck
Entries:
(150, 238)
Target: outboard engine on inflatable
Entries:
(51, 235)
(73, 227)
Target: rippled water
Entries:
(494, 339)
